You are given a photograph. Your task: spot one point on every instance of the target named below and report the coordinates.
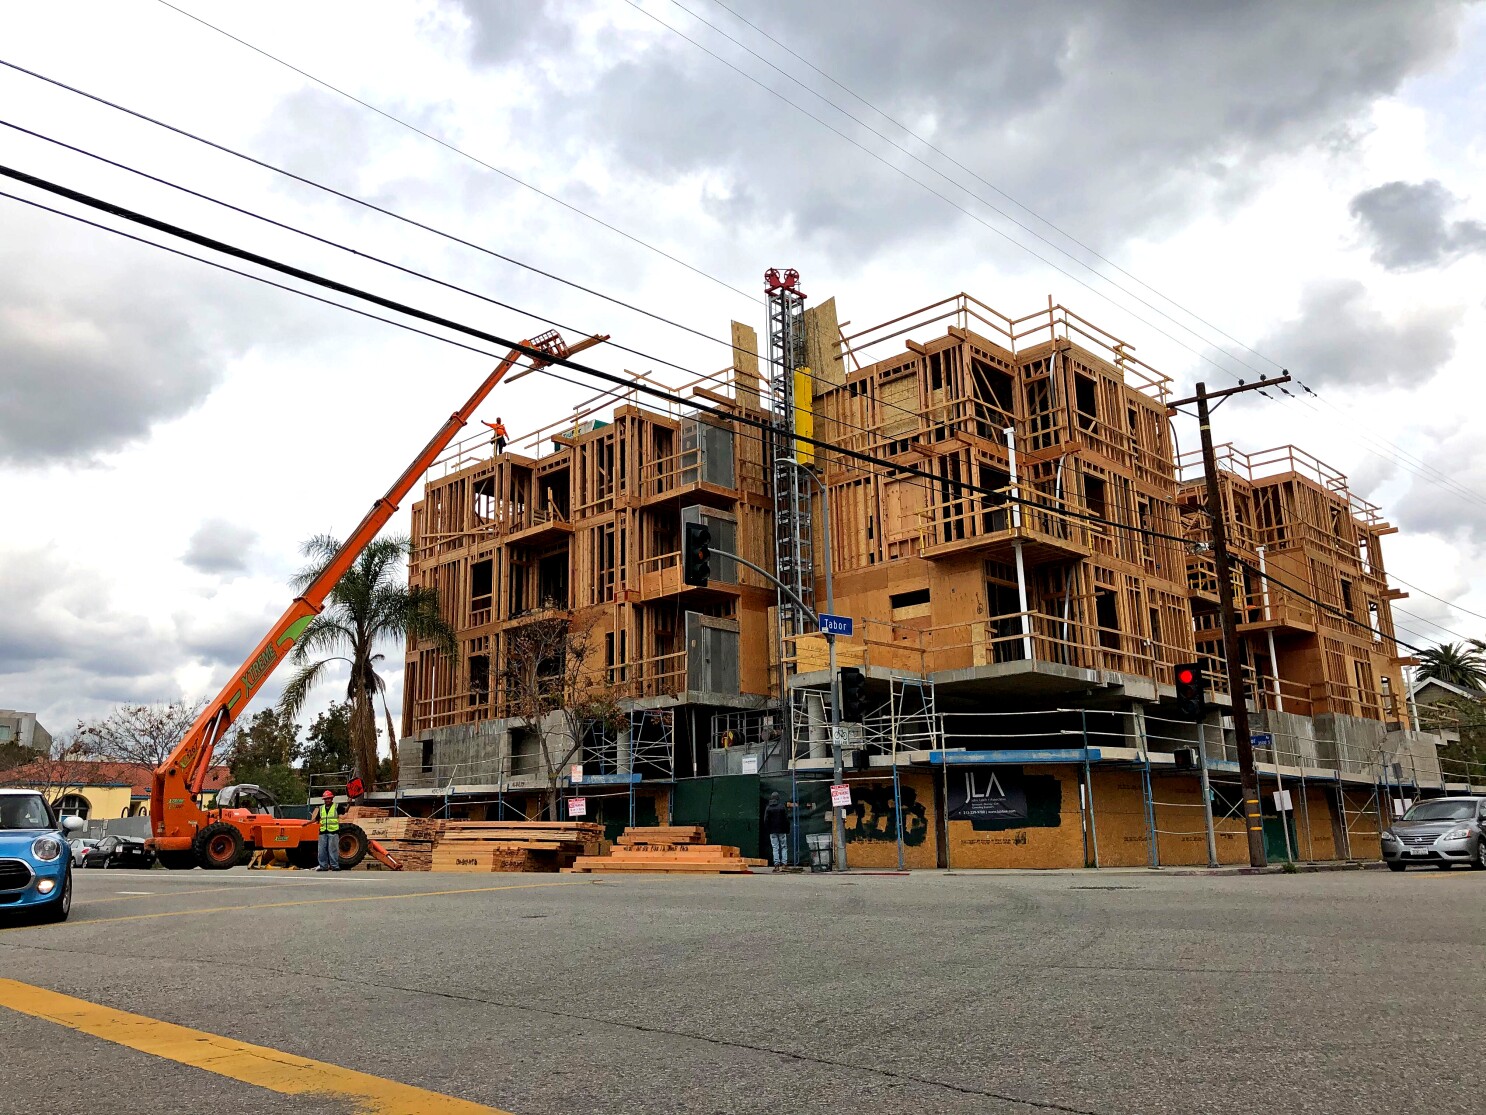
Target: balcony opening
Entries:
(994, 392)
(1085, 401)
(552, 580)
(482, 591)
(479, 679)
(524, 751)
(1096, 496)
(484, 493)
(1107, 617)
(995, 514)
(913, 604)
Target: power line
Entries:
(709, 377)
(768, 429)
(1432, 596)
(635, 385)
(1400, 455)
(383, 210)
(462, 153)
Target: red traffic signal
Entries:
(1190, 691)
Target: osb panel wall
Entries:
(1181, 826)
(1318, 841)
(1119, 818)
(1362, 824)
(871, 839)
(1053, 838)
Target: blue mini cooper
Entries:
(35, 860)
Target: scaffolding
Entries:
(794, 531)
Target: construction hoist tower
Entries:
(794, 556)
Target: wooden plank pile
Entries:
(672, 849)
(409, 840)
(482, 846)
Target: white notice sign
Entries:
(840, 796)
(577, 807)
(750, 764)
(1282, 801)
(576, 774)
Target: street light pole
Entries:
(1248, 776)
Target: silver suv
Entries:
(1441, 832)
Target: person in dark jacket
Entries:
(776, 824)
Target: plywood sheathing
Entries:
(823, 345)
(745, 365)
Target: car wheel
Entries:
(1395, 865)
(58, 909)
(1478, 862)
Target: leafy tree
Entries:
(327, 747)
(279, 779)
(14, 754)
(55, 772)
(371, 604)
(269, 739)
(1457, 663)
(136, 733)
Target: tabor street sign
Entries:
(835, 625)
(840, 796)
(1261, 739)
(577, 807)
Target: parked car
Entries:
(35, 862)
(1438, 831)
(80, 846)
(119, 851)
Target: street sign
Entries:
(841, 734)
(576, 774)
(1261, 739)
(1282, 803)
(835, 625)
(840, 796)
(577, 807)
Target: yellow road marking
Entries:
(267, 1068)
(304, 902)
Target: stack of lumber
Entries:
(515, 845)
(409, 840)
(673, 849)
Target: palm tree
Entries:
(1455, 663)
(372, 603)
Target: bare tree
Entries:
(554, 690)
(54, 774)
(137, 733)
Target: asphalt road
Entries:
(1083, 992)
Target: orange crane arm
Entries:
(180, 777)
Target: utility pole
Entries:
(1232, 650)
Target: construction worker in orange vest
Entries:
(498, 428)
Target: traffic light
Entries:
(1191, 687)
(853, 695)
(696, 555)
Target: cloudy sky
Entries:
(1299, 184)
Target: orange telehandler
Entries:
(183, 834)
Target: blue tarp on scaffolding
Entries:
(1040, 755)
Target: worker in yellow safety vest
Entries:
(330, 834)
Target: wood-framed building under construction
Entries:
(1022, 549)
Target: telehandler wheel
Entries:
(352, 846)
(218, 846)
(177, 861)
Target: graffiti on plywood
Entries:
(996, 798)
(872, 805)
